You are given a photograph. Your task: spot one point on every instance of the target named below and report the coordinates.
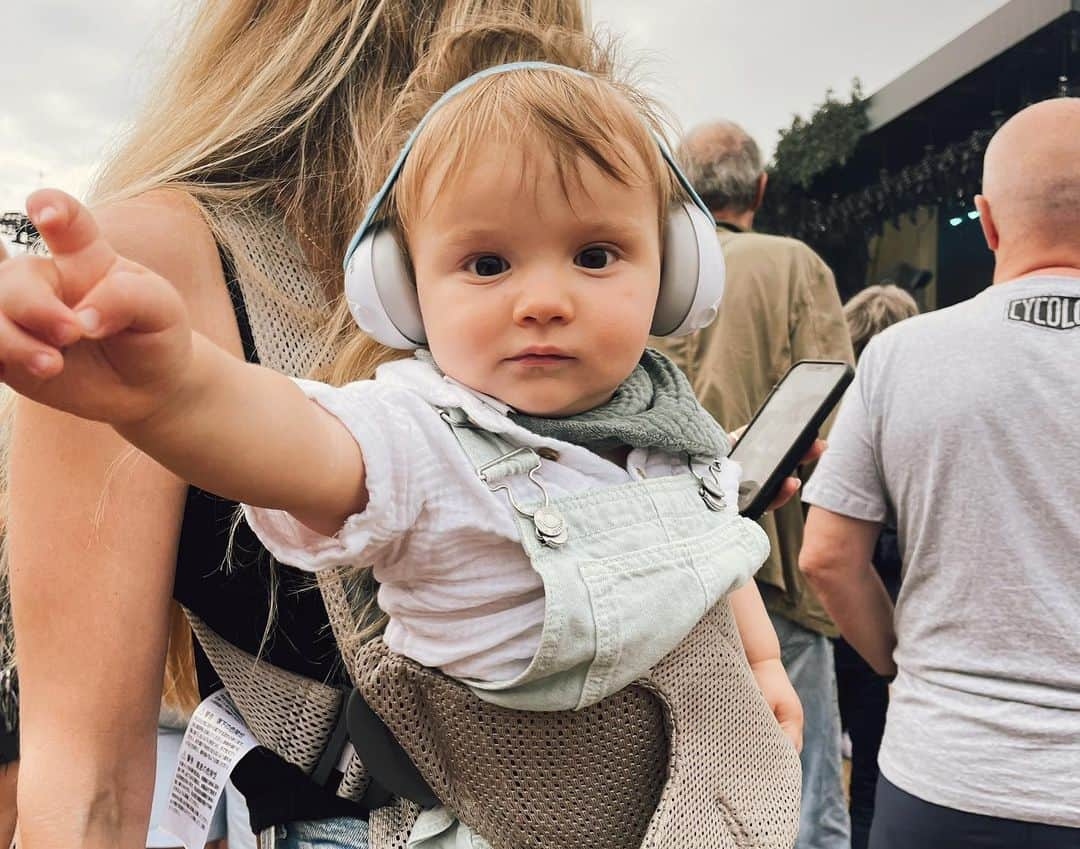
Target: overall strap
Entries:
(484, 448)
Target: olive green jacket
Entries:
(780, 305)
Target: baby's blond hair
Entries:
(573, 119)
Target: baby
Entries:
(546, 508)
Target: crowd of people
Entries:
(457, 530)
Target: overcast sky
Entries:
(73, 71)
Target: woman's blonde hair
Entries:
(180, 689)
(875, 308)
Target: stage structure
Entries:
(900, 206)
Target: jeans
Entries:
(337, 833)
(808, 658)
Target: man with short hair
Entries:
(961, 428)
(780, 306)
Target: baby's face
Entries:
(538, 296)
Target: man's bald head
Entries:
(723, 164)
(1031, 178)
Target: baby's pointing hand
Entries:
(86, 330)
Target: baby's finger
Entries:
(30, 298)
(75, 242)
(21, 352)
(4, 253)
(129, 300)
(793, 730)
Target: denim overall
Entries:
(628, 572)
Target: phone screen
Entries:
(782, 422)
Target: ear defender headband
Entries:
(382, 294)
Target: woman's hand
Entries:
(784, 702)
(85, 330)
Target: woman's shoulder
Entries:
(166, 231)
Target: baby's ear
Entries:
(77, 246)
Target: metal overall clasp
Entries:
(549, 523)
(709, 488)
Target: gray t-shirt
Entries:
(963, 428)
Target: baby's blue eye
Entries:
(594, 257)
(488, 265)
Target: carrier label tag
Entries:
(215, 741)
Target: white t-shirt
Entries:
(961, 427)
(455, 581)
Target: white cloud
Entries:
(81, 69)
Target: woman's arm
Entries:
(93, 532)
(763, 654)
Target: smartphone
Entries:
(784, 427)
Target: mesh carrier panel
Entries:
(731, 778)
(504, 772)
(735, 778)
(389, 826)
(286, 306)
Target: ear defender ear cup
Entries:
(381, 294)
(691, 274)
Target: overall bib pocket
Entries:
(645, 602)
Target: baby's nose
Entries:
(543, 303)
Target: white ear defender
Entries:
(382, 294)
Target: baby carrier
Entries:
(688, 755)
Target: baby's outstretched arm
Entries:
(93, 334)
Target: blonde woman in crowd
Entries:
(875, 308)
(240, 183)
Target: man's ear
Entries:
(986, 221)
(762, 179)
